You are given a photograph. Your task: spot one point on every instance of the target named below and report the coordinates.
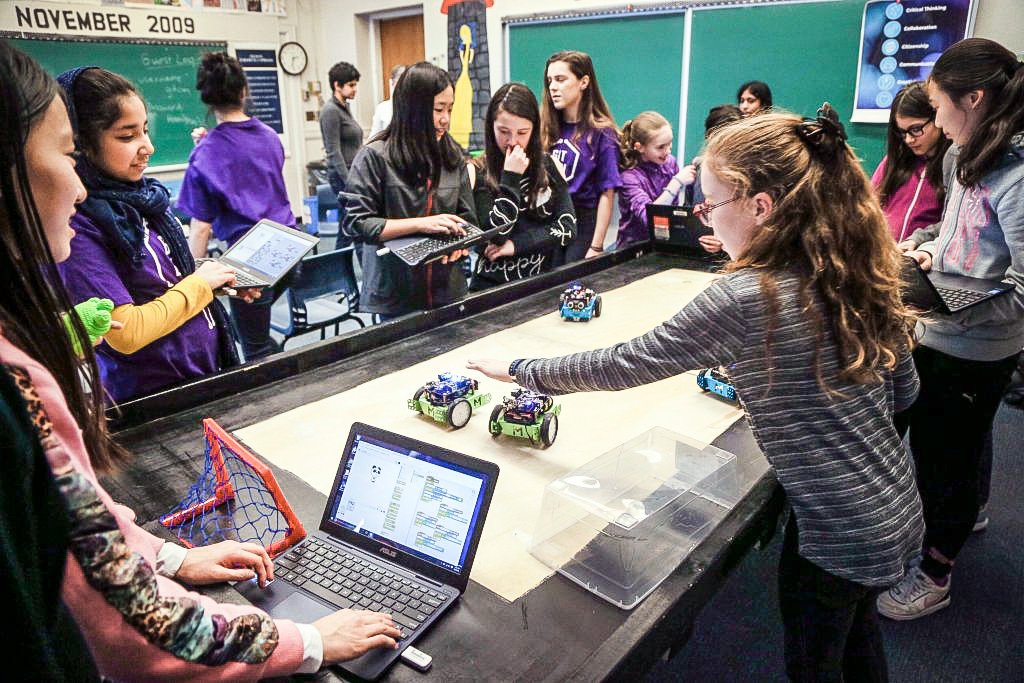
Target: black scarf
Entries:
(122, 210)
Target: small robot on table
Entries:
(526, 415)
(579, 303)
(450, 399)
(715, 380)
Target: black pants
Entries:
(948, 425)
(586, 222)
(252, 323)
(830, 624)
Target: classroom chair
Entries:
(327, 208)
(318, 296)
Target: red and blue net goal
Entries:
(235, 498)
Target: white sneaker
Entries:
(981, 522)
(916, 595)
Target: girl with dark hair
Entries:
(809, 322)
(753, 97)
(410, 180)
(909, 178)
(966, 360)
(41, 640)
(519, 190)
(233, 180)
(130, 248)
(650, 176)
(580, 134)
(115, 578)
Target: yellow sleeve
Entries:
(146, 323)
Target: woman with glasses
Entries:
(809, 324)
(909, 179)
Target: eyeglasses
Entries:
(703, 210)
(914, 131)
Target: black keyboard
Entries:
(423, 249)
(346, 580)
(958, 298)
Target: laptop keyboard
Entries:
(348, 581)
(417, 251)
(958, 298)
(241, 279)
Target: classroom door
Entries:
(401, 42)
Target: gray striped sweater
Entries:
(847, 475)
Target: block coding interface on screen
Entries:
(409, 500)
(268, 250)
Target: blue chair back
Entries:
(326, 199)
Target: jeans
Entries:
(830, 624)
(949, 424)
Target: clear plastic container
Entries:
(620, 524)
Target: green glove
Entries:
(95, 316)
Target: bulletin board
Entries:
(164, 72)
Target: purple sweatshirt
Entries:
(234, 179)
(913, 205)
(590, 163)
(641, 185)
(94, 270)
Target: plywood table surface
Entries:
(308, 441)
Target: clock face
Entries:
(293, 58)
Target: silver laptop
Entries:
(946, 293)
(265, 253)
(399, 535)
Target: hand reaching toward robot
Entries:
(492, 367)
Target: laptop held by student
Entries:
(417, 250)
(399, 534)
(944, 292)
(266, 253)
(676, 226)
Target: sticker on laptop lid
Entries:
(661, 229)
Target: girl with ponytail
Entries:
(650, 174)
(966, 360)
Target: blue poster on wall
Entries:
(260, 67)
(899, 43)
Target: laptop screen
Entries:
(419, 504)
(268, 250)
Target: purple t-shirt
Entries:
(95, 270)
(234, 179)
(590, 163)
(641, 185)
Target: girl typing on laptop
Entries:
(116, 580)
(410, 180)
(966, 360)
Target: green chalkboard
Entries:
(806, 52)
(164, 73)
(638, 60)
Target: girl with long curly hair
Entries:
(809, 325)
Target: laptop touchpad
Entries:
(301, 609)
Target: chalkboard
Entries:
(638, 60)
(806, 52)
(165, 74)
